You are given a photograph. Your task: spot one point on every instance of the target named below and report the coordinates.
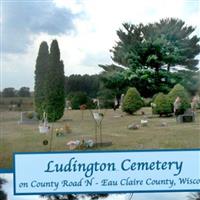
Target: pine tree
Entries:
(40, 71)
(54, 85)
(167, 43)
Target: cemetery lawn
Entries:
(16, 137)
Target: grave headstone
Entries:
(163, 124)
(144, 121)
(28, 118)
(133, 126)
(195, 103)
(188, 116)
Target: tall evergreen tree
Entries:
(54, 84)
(161, 46)
(41, 69)
(167, 43)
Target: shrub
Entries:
(179, 91)
(132, 101)
(30, 115)
(153, 103)
(163, 106)
(79, 98)
(154, 97)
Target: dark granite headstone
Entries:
(188, 116)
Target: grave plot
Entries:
(29, 117)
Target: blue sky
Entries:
(8, 187)
(85, 30)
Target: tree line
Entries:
(12, 92)
(151, 57)
(95, 85)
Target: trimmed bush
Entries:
(154, 96)
(132, 101)
(179, 91)
(163, 106)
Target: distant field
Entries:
(21, 103)
(26, 138)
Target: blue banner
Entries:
(107, 172)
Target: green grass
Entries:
(26, 138)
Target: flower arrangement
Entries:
(59, 132)
(83, 144)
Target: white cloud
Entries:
(71, 4)
(95, 34)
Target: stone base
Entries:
(103, 144)
(186, 118)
